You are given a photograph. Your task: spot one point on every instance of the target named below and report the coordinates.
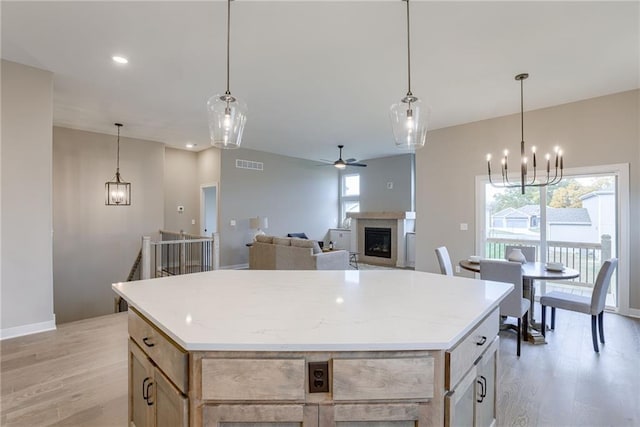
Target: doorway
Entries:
(208, 209)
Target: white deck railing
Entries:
(584, 257)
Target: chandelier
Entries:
(227, 113)
(117, 192)
(525, 181)
(409, 117)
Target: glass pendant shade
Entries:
(227, 117)
(117, 192)
(409, 121)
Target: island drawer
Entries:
(460, 358)
(170, 358)
(253, 379)
(393, 378)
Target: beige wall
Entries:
(597, 131)
(181, 188)
(374, 194)
(26, 287)
(95, 245)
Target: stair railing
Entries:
(179, 253)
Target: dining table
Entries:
(531, 271)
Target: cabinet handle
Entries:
(145, 390)
(484, 390)
(481, 342)
(146, 342)
(482, 393)
(148, 398)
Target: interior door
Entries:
(209, 209)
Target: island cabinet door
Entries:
(260, 415)
(171, 407)
(141, 371)
(459, 403)
(378, 415)
(486, 387)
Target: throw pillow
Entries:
(316, 248)
(301, 243)
(298, 235)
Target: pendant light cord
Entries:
(228, 41)
(521, 110)
(408, 50)
(118, 155)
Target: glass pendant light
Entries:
(116, 191)
(409, 117)
(227, 113)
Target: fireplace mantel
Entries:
(398, 221)
(382, 215)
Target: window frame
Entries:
(347, 199)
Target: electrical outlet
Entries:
(318, 377)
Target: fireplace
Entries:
(377, 242)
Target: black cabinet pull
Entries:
(482, 340)
(483, 388)
(148, 398)
(146, 342)
(145, 396)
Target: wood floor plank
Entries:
(77, 376)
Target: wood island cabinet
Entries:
(384, 348)
(380, 388)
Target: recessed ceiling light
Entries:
(190, 145)
(120, 59)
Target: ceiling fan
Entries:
(341, 164)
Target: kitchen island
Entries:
(312, 348)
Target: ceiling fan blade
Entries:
(362, 165)
(327, 161)
(351, 160)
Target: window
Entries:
(349, 195)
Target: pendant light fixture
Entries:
(409, 118)
(116, 191)
(524, 161)
(227, 113)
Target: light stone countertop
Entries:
(250, 310)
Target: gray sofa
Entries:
(284, 253)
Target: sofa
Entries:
(284, 253)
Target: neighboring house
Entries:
(563, 224)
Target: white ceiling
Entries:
(317, 73)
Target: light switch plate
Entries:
(232, 223)
(464, 226)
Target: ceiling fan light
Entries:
(340, 165)
(227, 118)
(409, 122)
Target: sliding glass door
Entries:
(575, 222)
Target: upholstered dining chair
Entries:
(444, 260)
(514, 305)
(529, 252)
(593, 306)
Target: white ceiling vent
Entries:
(248, 164)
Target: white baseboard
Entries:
(235, 267)
(634, 312)
(33, 328)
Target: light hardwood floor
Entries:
(77, 376)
